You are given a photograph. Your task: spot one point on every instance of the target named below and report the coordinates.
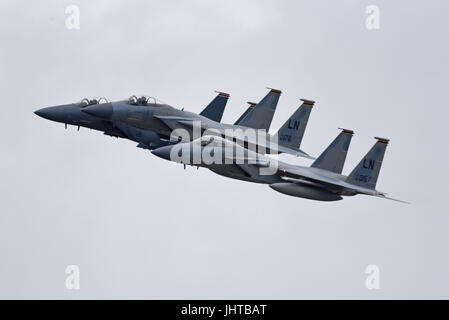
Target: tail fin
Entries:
(333, 158)
(250, 108)
(215, 109)
(367, 171)
(291, 133)
(262, 114)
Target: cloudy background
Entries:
(141, 227)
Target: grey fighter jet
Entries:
(72, 114)
(321, 181)
(164, 119)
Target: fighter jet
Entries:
(164, 119)
(72, 114)
(321, 181)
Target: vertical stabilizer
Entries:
(367, 171)
(216, 107)
(262, 115)
(252, 105)
(333, 158)
(291, 133)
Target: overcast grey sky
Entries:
(141, 227)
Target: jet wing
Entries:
(249, 170)
(298, 152)
(322, 179)
(275, 148)
(316, 177)
(245, 160)
(249, 165)
(251, 161)
(173, 122)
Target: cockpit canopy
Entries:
(92, 101)
(206, 141)
(143, 100)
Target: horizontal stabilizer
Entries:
(388, 198)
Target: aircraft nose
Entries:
(50, 113)
(162, 152)
(43, 113)
(103, 111)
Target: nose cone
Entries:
(58, 113)
(103, 111)
(163, 152)
(45, 113)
